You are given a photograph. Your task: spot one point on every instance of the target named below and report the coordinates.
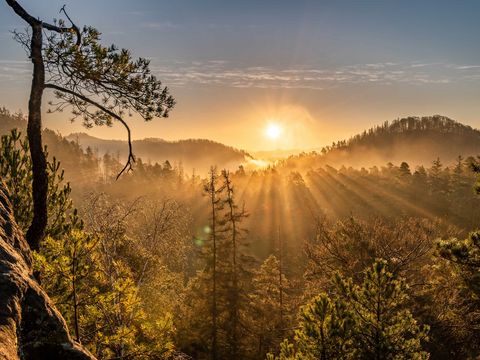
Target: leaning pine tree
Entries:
(100, 84)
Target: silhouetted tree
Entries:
(213, 190)
(237, 270)
(73, 63)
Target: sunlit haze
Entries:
(273, 131)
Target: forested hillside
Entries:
(198, 154)
(193, 155)
(414, 140)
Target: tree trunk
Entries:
(213, 202)
(36, 230)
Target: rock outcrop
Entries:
(30, 325)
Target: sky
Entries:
(320, 70)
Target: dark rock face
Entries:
(30, 325)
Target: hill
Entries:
(9, 121)
(416, 140)
(198, 154)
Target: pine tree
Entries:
(218, 291)
(16, 172)
(101, 84)
(236, 269)
(404, 170)
(213, 190)
(68, 267)
(384, 329)
(270, 308)
(367, 321)
(465, 254)
(437, 178)
(325, 332)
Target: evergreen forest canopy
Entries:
(299, 260)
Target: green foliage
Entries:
(16, 172)
(87, 69)
(325, 332)
(465, 255)
(140, 283)
(218, 293)
(117, 325)
(69, 268)
(132, 313)
(367, 321)
(92, 286)
(385, 329)
(270, 308)
(100, 300)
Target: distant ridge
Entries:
(416, 126)
(417, 140)
(198, 154)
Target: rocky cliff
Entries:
(30, 325)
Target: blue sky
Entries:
(322, 69)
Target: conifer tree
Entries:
(270, 308)
(100, 84)
(218, 291)
(384, 327)
(325, 332)
(465, 254)
(367, 321)
(213, 190)
(236, 268)
(16, 171)
(68, 267)
(404, 170)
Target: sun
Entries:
(273, 131)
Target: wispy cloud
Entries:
(136, 13)
(468, 67)
(227, 74)
(159, 25)
(12, 70)
(224, 73)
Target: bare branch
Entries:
(20, 11)
(131, 157)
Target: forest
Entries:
(137, 249)
(325, 263)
